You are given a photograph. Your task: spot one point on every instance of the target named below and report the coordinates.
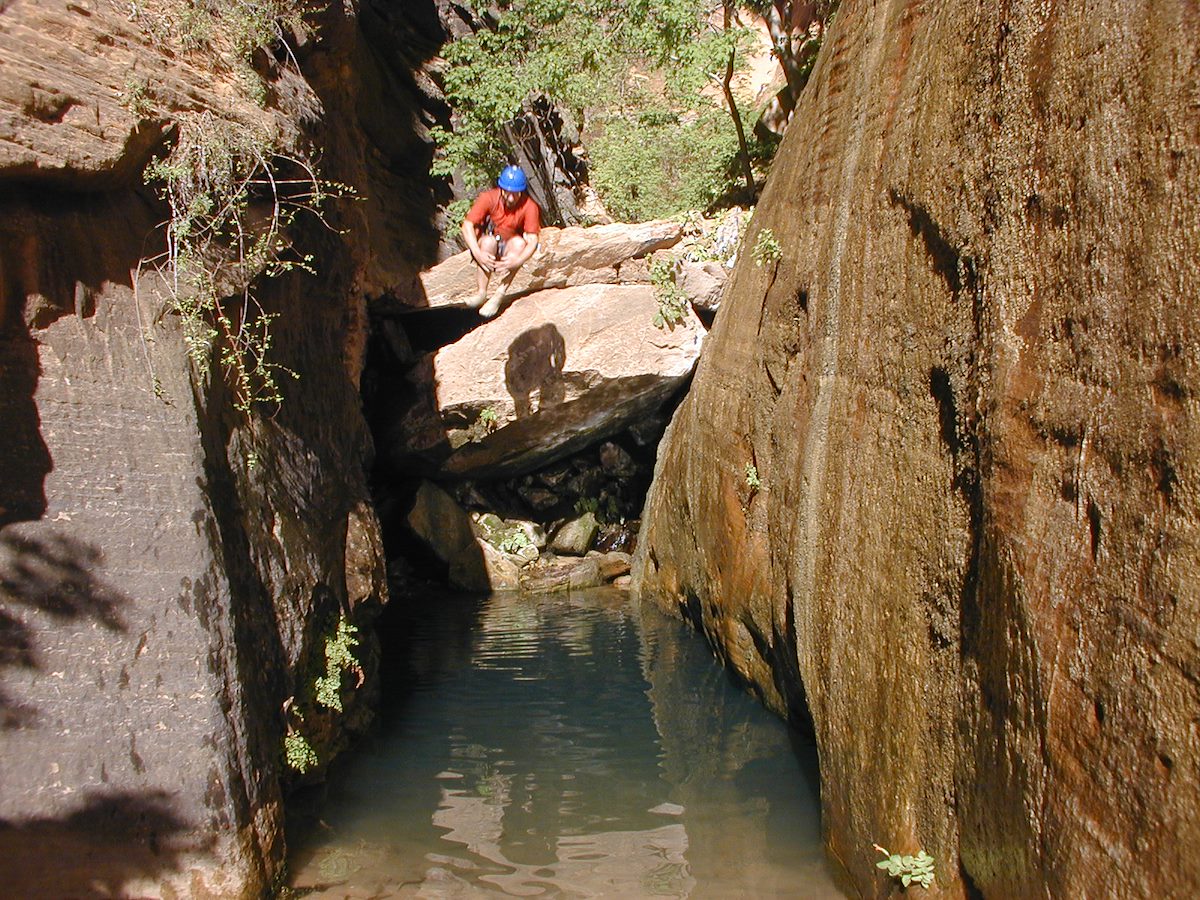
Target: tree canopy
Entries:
(643, 84)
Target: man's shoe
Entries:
(476, 300)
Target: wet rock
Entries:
(574, 573)
(503, 570)
(617, 537)
(575, 537)
(558, 370)
(612, 565)
(566, 257)
(561, 575)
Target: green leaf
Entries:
(906, 879)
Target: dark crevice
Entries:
(1093, 516)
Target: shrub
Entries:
(672, 300)
(661, 163)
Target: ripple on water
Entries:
(568, 746)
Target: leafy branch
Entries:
(233, 196)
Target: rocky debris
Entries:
(622, 536)
(482, 551)
(575, 573)
(566, 257)
(969, 391)
(703, 282)
(555, 372)
(567, 489)
(449, 534)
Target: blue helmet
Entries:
(512, 179)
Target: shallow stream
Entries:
(564, 746)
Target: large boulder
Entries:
(969, 391)
(557, 371)
(565, 257)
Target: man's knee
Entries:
(488, 244)
(514, 246)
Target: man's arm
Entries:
(471, 239)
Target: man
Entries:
(501, 231)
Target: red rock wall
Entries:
(168, 569)
(969, 388)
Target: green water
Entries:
(564, 746)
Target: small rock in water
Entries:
(667, 809)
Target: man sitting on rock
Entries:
(501, 231)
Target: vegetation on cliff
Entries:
(646, 88)
(234, 184)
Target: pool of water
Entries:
(563, 746)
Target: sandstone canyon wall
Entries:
(169, 567)
(969, 390)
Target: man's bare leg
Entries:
(489, 245)
(512, 248)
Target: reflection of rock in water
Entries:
(720, 752)
(583, 752)
(612, 863)
(535, 363)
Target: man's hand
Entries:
(486, 261)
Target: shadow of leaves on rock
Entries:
(98, 849)
(50, 574)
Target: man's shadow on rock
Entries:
(535, 363)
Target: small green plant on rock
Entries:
(767, 250)
(606, 509)
(513, 541)
(135, 97)
(298, 752)
(338, 659)
(485, 423)
(908, 869)
(672, 300)
(752, 479)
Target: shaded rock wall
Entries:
(168, 568)
(969, 388)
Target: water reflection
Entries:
(565, 746)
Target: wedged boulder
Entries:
(566, 257)
(555, 372)
(703, 282)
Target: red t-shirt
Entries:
(526, 218)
